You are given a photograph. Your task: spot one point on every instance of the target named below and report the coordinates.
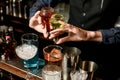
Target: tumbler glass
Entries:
(34, 64)
(54, 22)
(51, 72)
(53, 54)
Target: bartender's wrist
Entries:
(94, 36)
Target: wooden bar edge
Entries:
(16, 71)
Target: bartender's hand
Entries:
(75, 34)
(35, 23)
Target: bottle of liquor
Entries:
(1, 40)
(9, 45)
(3, 29)
(1, 13)
(11, 32)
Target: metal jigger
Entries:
(90, 67)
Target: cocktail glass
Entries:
(28, 51)
(54, 22)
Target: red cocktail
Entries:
(45, 14)
(53, 54)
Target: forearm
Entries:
(108, 36)
(94, 36)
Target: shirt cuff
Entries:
(108, 35)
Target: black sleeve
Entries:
(110, 36)
(38, 4)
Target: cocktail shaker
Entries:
(70, 61)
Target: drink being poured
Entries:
(46, 13)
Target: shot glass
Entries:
(46, 13)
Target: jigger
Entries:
(90, 67)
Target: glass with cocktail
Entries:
(53, 54)
(28, 51)
(46, 13)
(54, 22)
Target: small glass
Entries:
(51, 72)
(46, 13)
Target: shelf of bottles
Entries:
(16, 8)
(15, 11)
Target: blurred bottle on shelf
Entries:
(1, 13)
(17, 8)
(3, 29)
(25, 12)
(7, 7)
(11, 31)
(9, 44)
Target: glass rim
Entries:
(23, 37)
(57, 46)
(47, 9)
